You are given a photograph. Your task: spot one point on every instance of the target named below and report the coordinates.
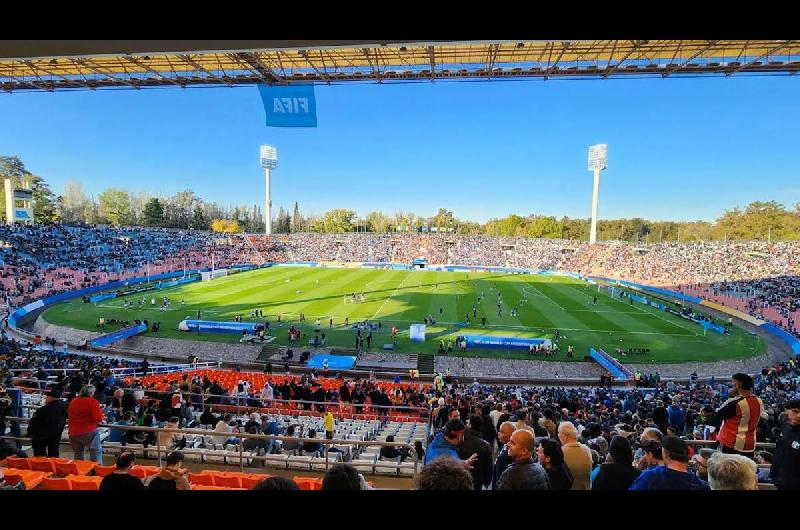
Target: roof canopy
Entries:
(57, 65)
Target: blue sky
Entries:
(680, 149)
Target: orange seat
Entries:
(306, 483)
(41, 463)
(249, 482)
(30, 478)
(102, 471)
(142, 472)
(80, 482)
(75, 467)
(201, 479)
(227, 481)
(218, 488)
(18, 463)
(54, 484)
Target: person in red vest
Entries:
(738, 418)
(84, 415)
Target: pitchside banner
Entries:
(289, 105)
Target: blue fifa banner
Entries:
(213, 326)
(123, 333)
(491, 341)
(289, 105)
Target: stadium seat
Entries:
(251, 480)
(54, 484)
(217, 488)
(279, 461)
(80, 482)
(30, 478)
(308, 483)
(299, 462)
(227, 480)
(18, 463)
(204, 478)
(142, 472)
(42, 463)
(75, 467)
(102, 471)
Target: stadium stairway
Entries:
(424, 363)
(268, 350)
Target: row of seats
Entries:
(56, 466)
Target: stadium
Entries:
(223, 352)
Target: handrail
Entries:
(242, 436)
(238, 400)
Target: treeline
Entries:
(757, 221)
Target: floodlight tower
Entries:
(269, 161)
(598, 161)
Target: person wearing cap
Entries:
(785, 471)
(47, 424)
(524, 473)
(446, 443)
(673, 475)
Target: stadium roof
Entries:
(58, 65)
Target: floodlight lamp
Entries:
(598, 157)
(269, 157)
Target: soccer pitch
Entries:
(400, 298)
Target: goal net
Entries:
(210, 275)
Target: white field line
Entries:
(391, 295)
(529, 286)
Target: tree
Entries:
(378, 221)
(283, 224)
(73, 203)
(178, 209)
(297, 219)
(541, 226)
(335, 221)
(153, 213)
(115, 206)
(507, 226)
(199, 221)
(225, 226)
(443, 220)
(45, 203)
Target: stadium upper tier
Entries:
(755, 277)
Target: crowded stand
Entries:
(758, 278)
(737, 433)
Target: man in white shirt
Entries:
(223, 427)
(268, 394)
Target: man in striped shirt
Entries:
(738, 418)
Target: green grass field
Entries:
(403, 297)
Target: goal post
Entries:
(207, 276)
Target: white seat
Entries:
(215, 456)
(364, 464)
(406, 469)
(386, 468)
(136, 449)
(318, 463)
(299, 462)
(277, 461)
(112, 448)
